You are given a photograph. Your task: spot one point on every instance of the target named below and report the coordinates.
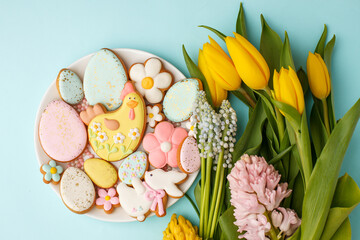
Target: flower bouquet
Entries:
(279, 180)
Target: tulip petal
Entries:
(221, 95)
(298, 90)
(217, 47)
(204, 69)
(287, 91)
(276, 85)
(326, 74)
(317, 76)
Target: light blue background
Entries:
(38, 38)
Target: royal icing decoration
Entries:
(188, 156)
(76, 190)
(81, 106)
(162, 145)
(112, 143)
(79, 162)
(179, 99)
(51, 172)
(191, 126)
(70, 87)
(104, 79)
(154, 115)
(134, 166)
(101, 172)
(107, 200)
(62, 133)
(158, 179)
(150, 79)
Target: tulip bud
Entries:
(249, 63)
(288, 89)
(318, 75)
(220, 66)
(218, 94)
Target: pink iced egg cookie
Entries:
(188, 156)
(62, 134)
(163, 144)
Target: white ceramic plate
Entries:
(129, 56)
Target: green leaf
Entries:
(296, 235)
(107, 146)
(197, 194)
(96, 143)
(122, 148)
(240, 22)
(291, 114)
(227, 225)
(128, 152)
(318, 130)
(241, 98)
(346, 198)
(269, 110)
(114, 150)
(270, 47)
(328, 52)
(298, 194)
(218, 33)
(343, 232)
(321, 44)
(196, 73)
(319, 193)
(280, 155)
(286, 59)
(330, 99)
(101, 147)
(252, 136)
(305, 148)
(303, 80)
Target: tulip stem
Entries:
(326, 115)
(247, 96)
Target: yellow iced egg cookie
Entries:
(101, 172)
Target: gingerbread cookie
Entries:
(77, 191)
(188, 156)
(62, 133)
(102, 173)
(69, 86)
(52, 172)
(133, 166)
(115, 135)
(151, 80)
(162, 145)
(104, 79)
(107, 200)
(180, 98)
(154, 115)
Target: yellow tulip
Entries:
(220, 66)
(318, 75)
(288, 89)
(180, 229)
(249, 63)
(218, 94)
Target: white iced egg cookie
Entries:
(179, 99)
(69, 86)
(188, 155)
(104, 79)
(77, 191)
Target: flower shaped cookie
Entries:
(107, 200)
(154, 115)
(163, 144)
(51, 172)
(150, 79)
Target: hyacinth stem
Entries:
(274, 232)
(206, 199)
(202, 205)
(326, 115)
(247, 96)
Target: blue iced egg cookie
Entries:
(69, 86)
(134, 166)
(104, 79)
(179, 99)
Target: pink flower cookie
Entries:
(163, 144)
(107, 200)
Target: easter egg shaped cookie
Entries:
(179, 99)
(102, 173)
(104, 79)
(69, 86)
(188, 156)
(62, 134)
(133, 166)
(77, 191)
(117, 134)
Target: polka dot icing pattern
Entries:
(77, 191)
(62, 134)
(104, 79)
(134, 165)
(180, 98)
(70, 87)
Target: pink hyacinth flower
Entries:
(107, 198)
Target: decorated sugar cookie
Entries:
(62, 134)
(115, 135)
(77, 191)
(52, 172)
(69, 86)
(151, 80)
(188, 156)
(179, 99)
(191, 126)
(133, 166)
(154, 115)
(104, 79)
(107, 200)
(162, 145)
(102, 173)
